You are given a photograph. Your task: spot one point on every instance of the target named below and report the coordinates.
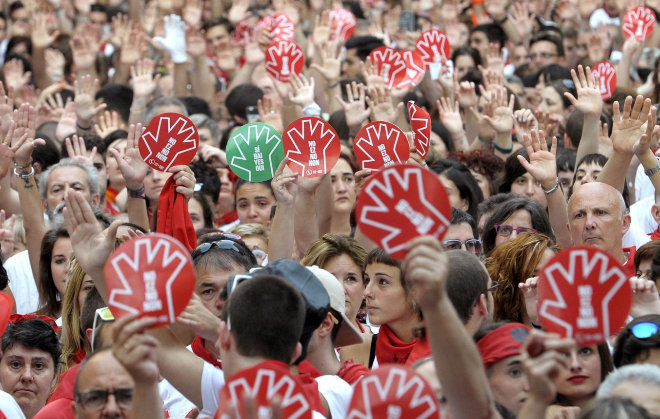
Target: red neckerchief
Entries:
(391, 350)
(629, 266)
(307, 374)
(655, 234)
(359, 325)
(173, 217)
(200, 350)
(79, 356)
(351, 371)
(228, 218)
(111, 201)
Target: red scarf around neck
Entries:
(200, 350)
(392, 350)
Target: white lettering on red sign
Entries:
(587, 318)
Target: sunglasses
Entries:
(220, 244)
(644, 330)
(234, 280)
(95, 400)
(105, 315)
(506, 230)
(472, 245)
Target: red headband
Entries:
(503, 342)
(17, 318)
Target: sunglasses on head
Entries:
(220, 244)
(644, 330)
(105, 315)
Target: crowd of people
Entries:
(536, 154)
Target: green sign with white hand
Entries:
(254, 151)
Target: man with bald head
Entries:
(597, 217)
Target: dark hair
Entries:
(467, 279)
(441, 131)
(223, 259)
(33, 334)
(552, 72)
(549, 37)
(630, 350)
(363, 45)
(93, 302)
(195, 105)
(459, 217)
(467, 186)
(208, 177)
(46, 155)
(493, 31)
(15, 5)
(218, 21)
(540, 220)
(655, 267)
(49, 299)
(600, 160)
(338, 122)
(378, 255)
(118, 98)
(13, 42)
(118, 134)
(483, 162)
(561, 87)
(267, 316)
(513, 169)
(240, 97)
(644, 252)
(4, 278)
(98, 7)
(207, 214)
(469, 51)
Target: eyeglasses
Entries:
(259, 254)
(220, 244)
(95, 400)
(644, 330)
(505, 230)
(105, 315)
(472, 245)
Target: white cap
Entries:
(348, 333)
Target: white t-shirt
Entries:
(337, 393)
(21, 283)
(213, 380)
(640, 215)
(9, 407)
(635, 237)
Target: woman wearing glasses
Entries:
(510, 265)
(461, 233)
(511, 218)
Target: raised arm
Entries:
(285, 189)
(590, 103)
(457, 360)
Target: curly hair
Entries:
(512, 263)
(483, 162)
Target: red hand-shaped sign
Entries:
(415, 69)
(583, 294)
(605, 74)
(393, 391)
(284, 58)
(380, 144)
(280, 26)
(433, 46)
(312, 146)
(638, 23)
(265, 382)
(420, 122)
(343, 23)
(400, 203)
(170, 139)
(390, 64)
(150, 275)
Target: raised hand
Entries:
(322, 32)
(529, 289)
(381, 105)
(85, 104)
(589, 100)
(6, 106)
(56, 63)
(142, 79)
(284, 184)
(134, 46)
(121, 25)
(135, 349)
(522, 20)
(15, 77)
(40, 36)
(108, 122)
(75, 148)
(185, 180)
(330, 67)
(199, 319)
(90, 245)
(372, 76)
(302, 90)
(192, 13)
(84, 50)
(238, 10)
(500, 114)
(355, 109)
(465, 93)
(450, 116)
(524, 123)
(628, 127)
(175, 38)
(542, 164)
(270, 113)
(195, 42)
(25, 120)
(130, 164)
(67, 123)
(425, 266)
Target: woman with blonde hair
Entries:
(511, 264)
(74, 342)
